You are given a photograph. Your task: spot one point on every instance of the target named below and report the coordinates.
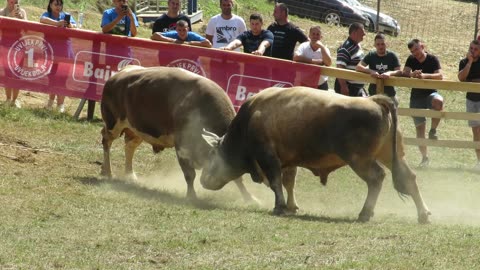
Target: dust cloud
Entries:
(453, 196)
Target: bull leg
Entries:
(132, 141)
(271, 167)
(422, 209)
(373, 175)
(247, 197)
(189, 173)
(288, 180)
(107, 139)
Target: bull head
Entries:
(215, 173)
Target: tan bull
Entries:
(281, 128)
(165, 107)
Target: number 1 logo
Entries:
(30, 58)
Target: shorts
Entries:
(323, 86)
(354, 90)
(473, 107)
(422, 103)
(387, 90)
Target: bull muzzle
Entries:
(211, 183)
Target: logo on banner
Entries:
(30, 58)
(87, 67)
(241, 87)
(189, 65)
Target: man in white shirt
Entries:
(314, 52)
(225, 27)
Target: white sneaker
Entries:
(17, 104)
(61, 108)
(424, 164)
(49, 104)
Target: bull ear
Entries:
(211, 138)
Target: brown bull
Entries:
(281, 128)
(166, 107)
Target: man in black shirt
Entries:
(422, 65)
(285, 34)
(254, 41)
(168, 21)
(469, 71)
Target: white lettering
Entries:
(88, 69)
(241, 90)
(99, 73)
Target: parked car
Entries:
(332, 12)
(386, 24)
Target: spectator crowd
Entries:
(284, 40)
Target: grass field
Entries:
(58, 213)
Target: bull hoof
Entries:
(132, 177)
(292, 210)
(280, 211)
(363, 217)
(106, 174)
(192, 196)
(423, 218)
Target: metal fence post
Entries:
(476, 21)
(189, 7)
(378, 15)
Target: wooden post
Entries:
(380, 86)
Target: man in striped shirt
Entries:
(348, 56)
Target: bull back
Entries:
(170, 103)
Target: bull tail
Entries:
(390, 106)
(398, 184)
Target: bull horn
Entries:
(211, 138)
(206, 132)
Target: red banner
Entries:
(76, 63)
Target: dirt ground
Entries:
(16, 154)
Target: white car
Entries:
(386, 24)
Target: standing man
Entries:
(254, 41)
(380, 63)
(225, 27)
(285, 34)
(119, 20)
(469, 71)
(167, 21)
(348, 57)
(422, 65)
(314, 52)
(182, 35)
